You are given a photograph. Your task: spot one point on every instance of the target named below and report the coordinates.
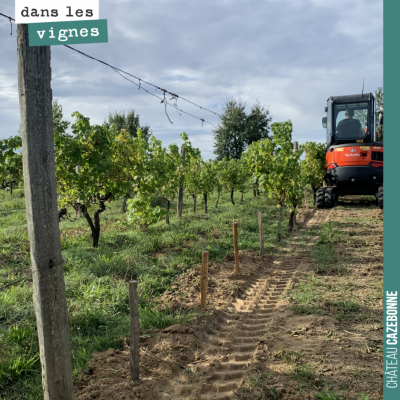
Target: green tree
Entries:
(230, 135)
(10, 162)
(159, 181)
(362, 116)
(162, 174)
(237, 130)
(274, 166)
(193, 183)
(208, 181)
(60, 125)
(295, 191)
(379, 110)
(172, 164)
(231, 175)
(129, 122)
(219, 187)
(91, 169)
(313, 167)
(244, 176)
(193, 166)
(257, 124)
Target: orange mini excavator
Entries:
(354, 157)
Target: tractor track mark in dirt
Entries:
(238, 334)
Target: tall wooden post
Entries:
(180, 191)
(306, 198)
(236, 248)
(204, 280)
(295, 148)
(49, 299)
(134, 343)
(260, 229)
(205, 202)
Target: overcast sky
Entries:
(291, 55)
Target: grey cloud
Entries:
(290, 55)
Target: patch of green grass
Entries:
(255, 383)
(328, 233)
(22, 356)
(152, 318)
(20, 334)
(288, 356)
(344, 308)
(308, 296)
(255, 380)
(328, 262)
(313, 295)
(305, 373)
(325, 395)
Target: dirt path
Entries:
(233, 354)
(325, 338)
(236, 336)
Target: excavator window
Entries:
(350, 120)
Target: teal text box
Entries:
(391, 214)
(68, 32)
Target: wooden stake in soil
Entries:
(49, 299)
(204, 280)
(306, 198)
(134, 345)
(260, 229)
(180, 191)
(235, 244)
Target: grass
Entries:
(324, 251)
(96, 280)
(288, 356)
(314, 295)
(256, 383)
(325, 395)
(329, 289)
(304, 373)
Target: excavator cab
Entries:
(354, 157)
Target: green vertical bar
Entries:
(391, 218)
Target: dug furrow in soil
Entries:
(289, 326)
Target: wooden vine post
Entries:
(180, 191)
(49, 298)
(134, 343)
(306, 198)
(204, 280)
(236, 249)
(295, 148)
(260, 229)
